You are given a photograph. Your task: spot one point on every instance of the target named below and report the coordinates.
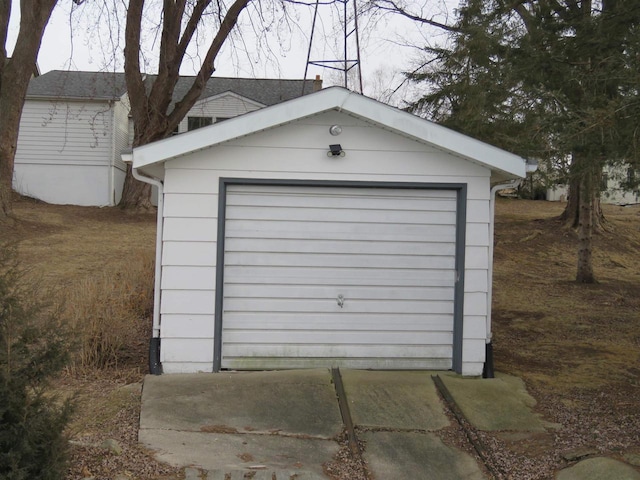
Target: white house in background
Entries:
(612, 190)
(328, 230)
(76, 124)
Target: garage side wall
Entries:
(298, 151)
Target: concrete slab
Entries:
(399, 455)
(599, 468)
(500, 403)
(233, 452)
(293, 401)
(263, 475)
(390, 399)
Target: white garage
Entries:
(330, 230)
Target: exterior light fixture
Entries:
(335, 130)
(335, 151)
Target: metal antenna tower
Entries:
(350, 30)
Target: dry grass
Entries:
(99, 263)
(96, 268)
(552, 331)
(576, 346)
(109, 313)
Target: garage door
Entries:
(336, 276)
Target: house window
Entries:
(221, 119)
(194, 123)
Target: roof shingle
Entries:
(61, 84)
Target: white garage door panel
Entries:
(290, 252)
(370, 321)
(381, 363)
(296, 351)
(339, 260)
(350, 306)
(382, 198)
(338, 231)
(340, 215)
(342, 276)
(278, 245)
(328, 337)
(328, 292)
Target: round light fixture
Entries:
(335, 130)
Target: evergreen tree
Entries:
(554, 80)
(33, 445)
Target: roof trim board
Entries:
(333, 98)
(228, 93)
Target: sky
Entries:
(82, 38)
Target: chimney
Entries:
(317, 84)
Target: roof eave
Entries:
(59, 98)
(335, 98)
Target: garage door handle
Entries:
(340, 301)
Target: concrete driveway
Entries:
(284, 424)
(279, 425)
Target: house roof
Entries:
(78, 85)
(267, 91)
(505, 164)
(111, 86)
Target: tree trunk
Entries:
(12, 97)
(571, 214)
(585, 229)
(136, 195)
(152, 115)
(15, 74)
(8, 142)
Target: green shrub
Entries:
(33, 348)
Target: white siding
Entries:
(299, 151)
(292, 252)
(226, 105)
(65, 133)
(64, 184)
(65, 151)
(613, 193)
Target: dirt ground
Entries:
(576, 346)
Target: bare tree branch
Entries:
(132, 70)
(207, 69)
(392, 6)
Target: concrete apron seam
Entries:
(376, 429)
(469, 431)
(233, 431)
(347, 421)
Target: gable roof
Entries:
(111, 86)
(227, 95)
(343, 100)
(267, 91)
(78, 85)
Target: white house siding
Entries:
(614, 176)
(226, 105)
(65, 151)
(298, 151)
